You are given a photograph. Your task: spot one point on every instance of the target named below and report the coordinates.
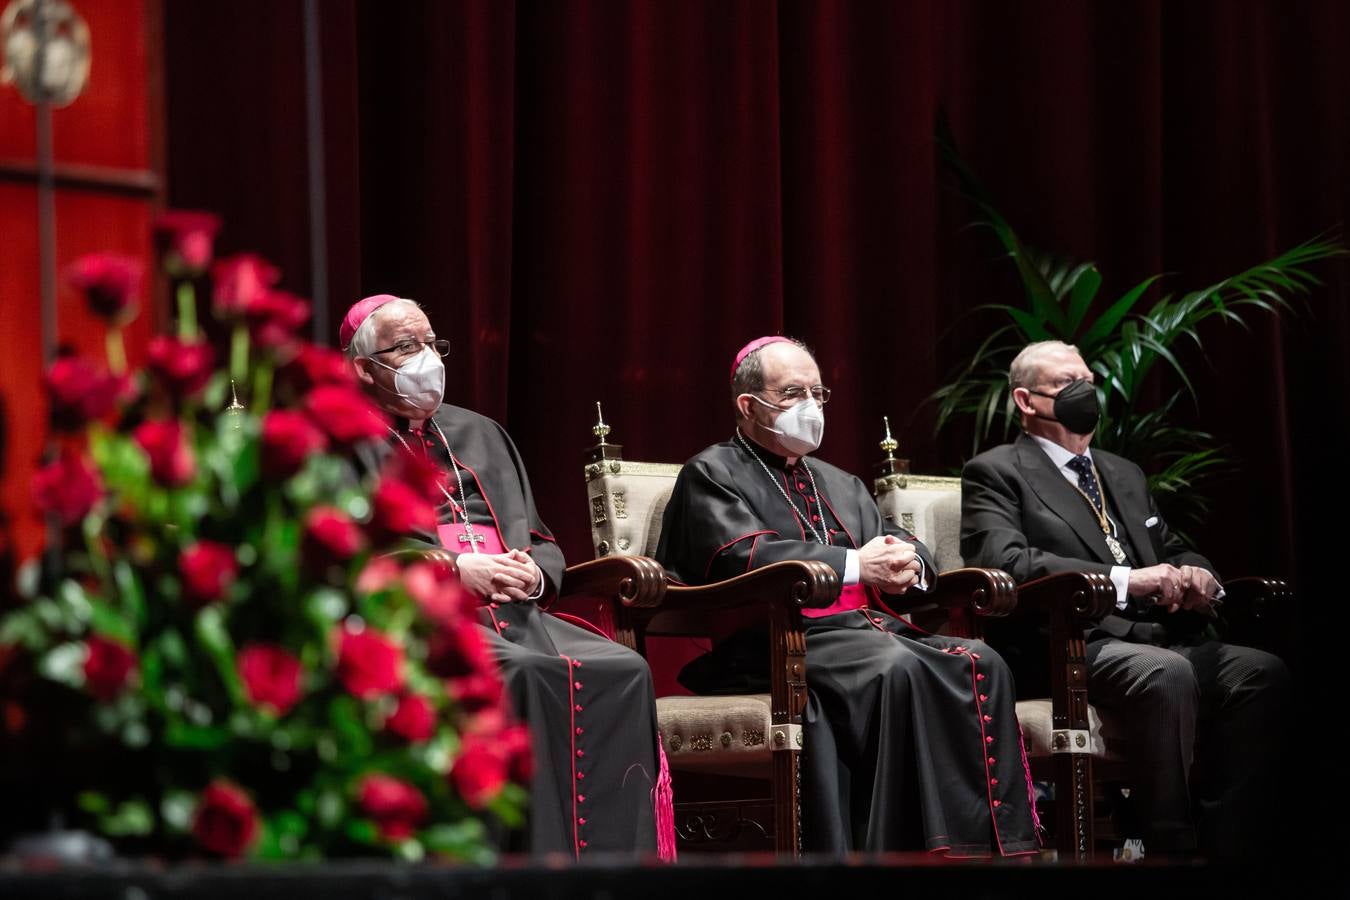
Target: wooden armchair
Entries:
(1069, 743)
(735, 760)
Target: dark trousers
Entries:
(1218, 706)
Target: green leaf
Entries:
(465, 839)
(196, 737)
(131, 819)
(1106, 323)
(1084, 290)
(213, 636)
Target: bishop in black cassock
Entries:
(588, 701)
(911, 741)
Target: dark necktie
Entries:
(1087, 482)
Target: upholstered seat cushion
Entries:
(726, 735)
(1034, 715)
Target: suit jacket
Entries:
(1020, 514)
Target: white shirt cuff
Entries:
(1120, 577)
(539, 588)
(852, 568)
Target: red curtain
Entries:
(603, 200)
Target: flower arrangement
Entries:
(236, 634)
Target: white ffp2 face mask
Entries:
(800, 428)
(420, 380)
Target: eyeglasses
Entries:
(409, 347)
(797, 393)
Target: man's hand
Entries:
(1188, 587)
(888, 563)
(1201, 587)
(1160, 584)
(499, 577)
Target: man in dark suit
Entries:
(1049, 503)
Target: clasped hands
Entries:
(1184, 587)
(499, 577)
(888, 563)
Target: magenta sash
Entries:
(451, 534)
(853, 596)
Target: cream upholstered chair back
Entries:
(625, 500)
(928, 506)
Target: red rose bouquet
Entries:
(252, 657)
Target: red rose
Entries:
(477, 692)
(397, 509)
(183, 367)
(226, 821)
(345, 414)
(331, 534)
(68, 487)
(479, 772)
(171, 461)
(396, 806)
(191, 238)
(239, 281)
(107, 668)
(369, 664)
(208, 570)
(458, 650)
(414, 720)
(274, 318)
(419, 473)
(377, 575)
(288, 439)
(515, 743)
(80, 393)
(313, 365)
(109, 282)
(271, 676)
(438, 591)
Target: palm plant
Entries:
(1124, 341)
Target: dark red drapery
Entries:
(603, 200)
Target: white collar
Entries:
(1060, 456)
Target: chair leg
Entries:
(1073, 806)
(787, 802)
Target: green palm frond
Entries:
(1127, 342)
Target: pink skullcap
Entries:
(359, 312)
(752, 347)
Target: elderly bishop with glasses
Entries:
(911, 742)
(588, 701)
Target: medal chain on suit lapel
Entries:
(1103, 520)
(814, 490)
(455, 507)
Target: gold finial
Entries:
(601, 430)
(888, 443)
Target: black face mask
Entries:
(1076, 406)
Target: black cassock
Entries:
(911, 740)
(588, 701)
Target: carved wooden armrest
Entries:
(1085, 596)
(1253, 594)
(637, 581)
(801, 583)
(987, 592)
(426, 553)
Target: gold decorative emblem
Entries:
(46, 51)
(752, 738)
(676, 742)
(700, 742)
(598, 516)
(620, 504)
(726, 739)
(907, 521)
